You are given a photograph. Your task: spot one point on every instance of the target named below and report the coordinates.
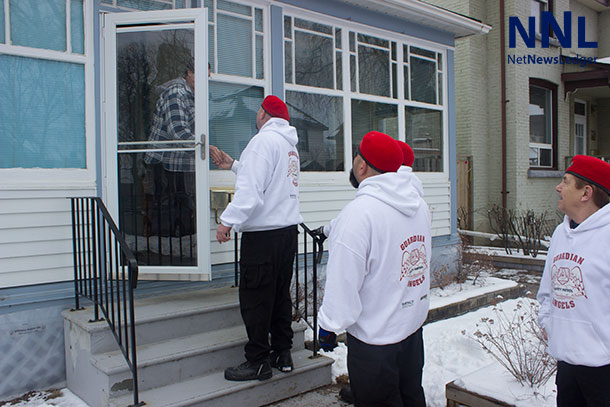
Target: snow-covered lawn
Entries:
(451, 353)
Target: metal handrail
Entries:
(316, 258)
(106, 272)
(301, 300)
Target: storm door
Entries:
(155, 125)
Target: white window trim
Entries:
(584, 119)
(328, 177)
(59, 178)
(223, 178)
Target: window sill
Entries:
(552, 40)
(544, 173)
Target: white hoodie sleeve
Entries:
(345, 273)
(341, 306)
(254, 173)
(235, 166)
(544, 296)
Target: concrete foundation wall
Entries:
(32, 349)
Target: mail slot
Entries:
(219, 199)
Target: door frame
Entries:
(198, 18)
(582, 119)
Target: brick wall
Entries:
(604, 34)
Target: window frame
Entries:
(584, 119)
(348, 95)
(64, 178)
(227, 178)
(552, 87)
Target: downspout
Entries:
(503, 96)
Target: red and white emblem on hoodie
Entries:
(567, 282)
(293, 167)
(414, 263)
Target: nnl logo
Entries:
(548, 22)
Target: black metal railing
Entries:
(302, 304)
(305, 285)
(106, 272)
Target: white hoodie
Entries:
(574, 293)
(378, 272)
(267, 184)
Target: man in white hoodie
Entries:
(378, 278)
(574, 293)
(265, 209)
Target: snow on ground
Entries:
(451, 353)
(499, 251)
(459, 292)
(60, 398)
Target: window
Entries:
(235, 39)
(391, 86)
(319, 123)
(543, 124)
(237, 87)
(536, 9)
(580, 127)
(42, 95)
(424, 128)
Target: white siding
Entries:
(320, 204)
(36, 236)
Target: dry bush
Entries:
(302, 308)
(519, 229)
(517, 343)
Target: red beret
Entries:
(407, 153)
(381, 152)
(275, 107)
(592, 170)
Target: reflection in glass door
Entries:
(156, 143)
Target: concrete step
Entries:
(213, 390)
(165, 317)
(181, 358)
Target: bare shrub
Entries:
(442, 277)
(302, 301)
(519, 229)
(517, 343)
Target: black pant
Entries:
(387, 375)
(264, 290)
(582, 386)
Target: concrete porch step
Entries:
(182, 358)
(165, 317)
(213, 390)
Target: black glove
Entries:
(319, 233)
(328, 340)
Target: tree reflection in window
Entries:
(319, 123)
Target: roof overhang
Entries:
(595, 78)
(425, 14)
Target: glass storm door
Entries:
(155, 119)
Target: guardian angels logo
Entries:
(414, 262)
(567, 281)
(293, 167)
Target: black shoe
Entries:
(249, 371)
(346, 394)
(282, 361)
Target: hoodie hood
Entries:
(597, 220)
(282, 128)
(401, 190)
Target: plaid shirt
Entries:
(174, 119)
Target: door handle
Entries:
(202, 144)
